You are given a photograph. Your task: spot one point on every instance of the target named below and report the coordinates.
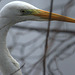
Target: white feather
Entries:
(9, 15)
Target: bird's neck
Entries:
(8, 64)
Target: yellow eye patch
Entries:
(29, 11)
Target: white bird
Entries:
(12, 13)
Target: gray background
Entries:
(64, 62)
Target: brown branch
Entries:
(44, 29)
(18, 69)
(46, 43)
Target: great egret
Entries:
(12, 13)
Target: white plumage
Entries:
(11, 14)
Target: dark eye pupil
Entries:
(22, 10)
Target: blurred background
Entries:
(26, 40)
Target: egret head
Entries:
(18, 11)
(21, 11)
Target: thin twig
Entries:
(46, 44)
(18, 69)
(44, 29)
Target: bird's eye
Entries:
(22, 11)
(26, 12)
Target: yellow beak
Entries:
(45, 15)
